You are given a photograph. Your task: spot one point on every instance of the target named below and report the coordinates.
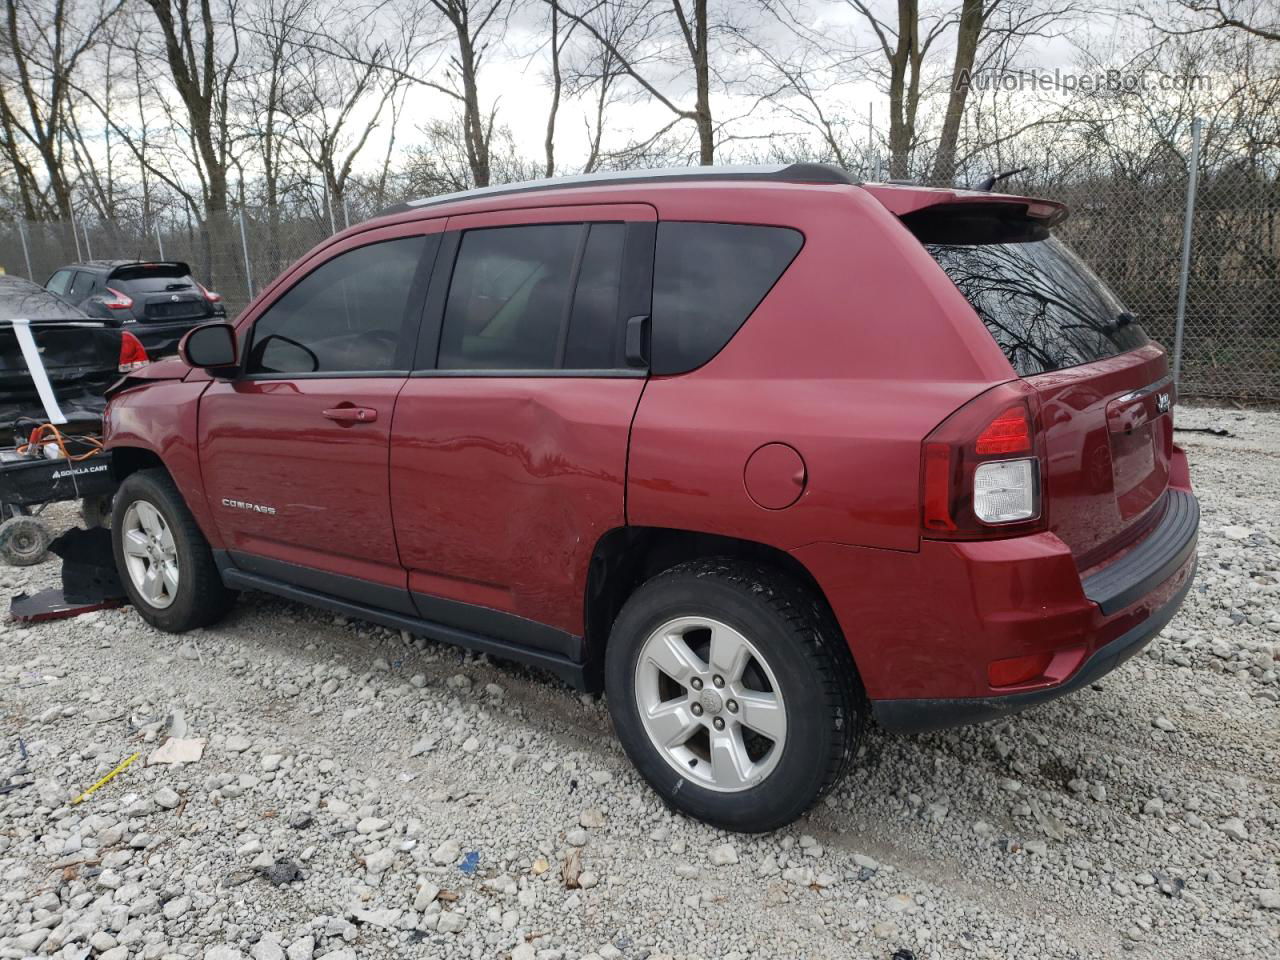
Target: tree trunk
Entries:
(901, 94)
(555, 91)
(972, 17)
(473, 122)
(702, 77)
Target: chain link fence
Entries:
(1129, 232)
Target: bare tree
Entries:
(1256, 18)
(201, 48)
(557, 86)
(340, 103)
(43, 45)
(670, 34)
(594, 69)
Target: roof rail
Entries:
(770, 172)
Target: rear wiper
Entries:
(1123, 319)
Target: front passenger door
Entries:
(294, 451)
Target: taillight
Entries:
(118, 300)
(132, 353)
(1010, 432)
(209, 294)
(974, 484)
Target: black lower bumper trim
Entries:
(917, 716)
(1164, 550)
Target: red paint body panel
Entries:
(162, 417)
(267, 442)
(1101, 479)
(500, 487)
(844, 360)
(926, 625)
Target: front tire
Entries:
(163, 559)
(733, 693)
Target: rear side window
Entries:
(535, 297)
(1040, 303)
(81, 286)
(346, 316)
(707, 279)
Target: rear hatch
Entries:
(1104, 390)
(161, 292)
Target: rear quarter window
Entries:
(1044, 307)
(707, 279)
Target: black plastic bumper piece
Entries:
(1151, 562)
(917, 716)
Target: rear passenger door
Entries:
(509, 446)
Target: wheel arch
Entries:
(127, 460)
(625, 557)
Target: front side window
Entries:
(60, 282)
(536, 297)
(346, 316)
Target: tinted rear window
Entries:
(707, 279)
(152, 278)
(153, 284)
(1040, 303)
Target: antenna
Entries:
(989, 182)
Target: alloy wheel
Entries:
(710, 703)
(150, 554)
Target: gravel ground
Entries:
(362, 793)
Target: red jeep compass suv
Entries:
(760, 450)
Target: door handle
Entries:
(352, 414)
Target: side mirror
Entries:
(212, 347)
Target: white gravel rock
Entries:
(335, 760)
(722, 855)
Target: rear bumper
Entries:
(916, 716)
(925, 627)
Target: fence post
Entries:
(346, 213)
(88, 249)
(1185, 274)
(244, 243)
(159, 242)
(26, 252)
(76, 237)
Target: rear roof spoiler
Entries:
(905, 200)
(144, 264)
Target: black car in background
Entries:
(80, 356)
(157, 300)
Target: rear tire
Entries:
(96, 511)
(733, 693)
(163, 559)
